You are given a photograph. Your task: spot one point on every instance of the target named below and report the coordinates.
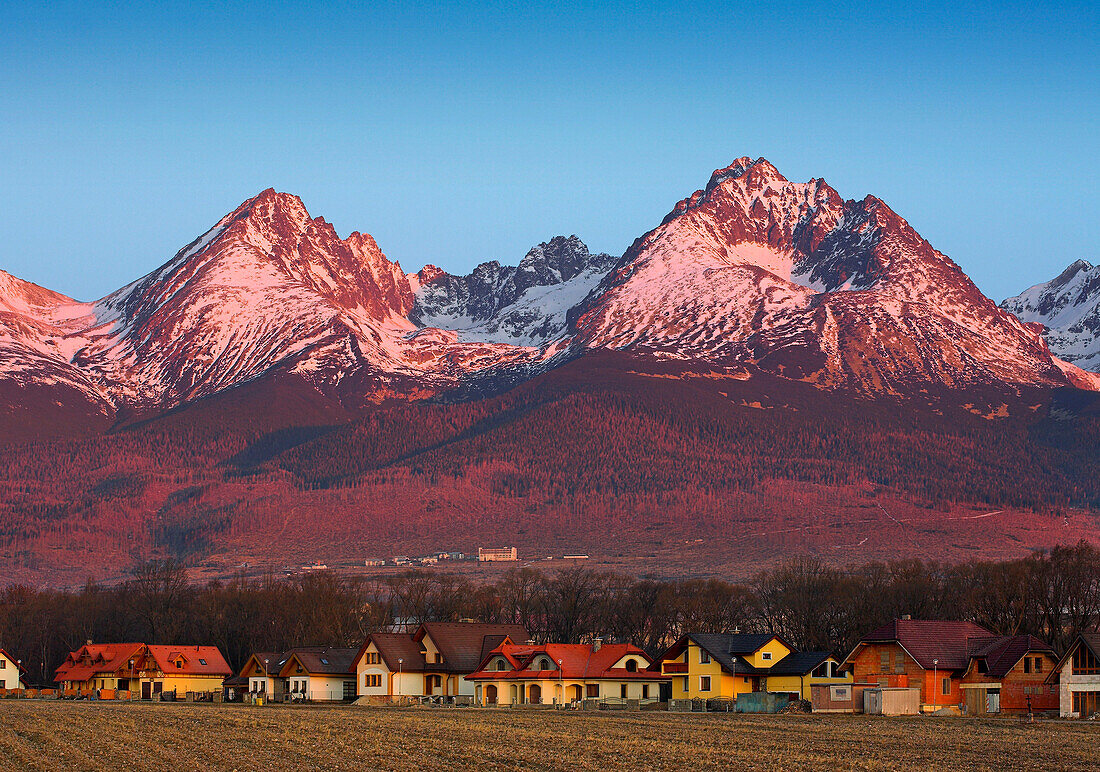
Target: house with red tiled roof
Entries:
(957, 665)
(143, 670)
(565, 673)
(433, 661)
(11, 672)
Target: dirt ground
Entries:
(92, 736)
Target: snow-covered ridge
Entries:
(753, 271)
(1068, 308)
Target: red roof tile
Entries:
(576, 661)
(927, 640)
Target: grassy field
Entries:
(85, 736)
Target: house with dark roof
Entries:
(319, 674)
(261, 674)
(560, 673)
(1077, 677)
(957, 665)
(725, 665)
(432, 661)
(1008, 674)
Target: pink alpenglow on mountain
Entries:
(754, 273)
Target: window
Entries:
(501, 665)
(622, 691)
(884, 661)
(324, 661)
(372, 680)
(1038, 665)
(1027, 664)
(704, 683)
(202, 661)
(840, 693)
(765, 655)
(704, 657)
(3, 663)
(179, 664)
(592, 690)
(1084, 661)
(687, 683)
(946, 686)
(632, 666)
(1086, 704)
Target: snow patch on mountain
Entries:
(1068, 308)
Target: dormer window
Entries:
(179, 664)
(501, 665)
(765, 655)
(632, 666)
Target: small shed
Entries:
(891, 701)
(838, 698)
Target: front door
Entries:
(993, 701)
(666, 692)
(146, 690)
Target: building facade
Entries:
(1077, 677)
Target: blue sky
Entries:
(460, 133)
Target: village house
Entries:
(560, 673)
(261, 674)
(143, 670)
(957, 665)
(725, 665)
(319, 674)
(1076, 676)
(432, 661)
(11, 672)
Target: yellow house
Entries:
(145, 670)
(722, 666)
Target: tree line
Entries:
(1053, 594)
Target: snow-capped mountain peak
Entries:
(1068, 309)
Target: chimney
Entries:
(907, 617)
(88, 642)
(597, 642)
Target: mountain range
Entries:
(765, 293)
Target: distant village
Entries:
(907, 667)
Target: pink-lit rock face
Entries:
(753, 272)
(761, 272)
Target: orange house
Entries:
(957, 665)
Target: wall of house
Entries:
(722, 684)
(554, 692)
(319, 688)
(9, 674)
(902, 670)
(1070, 682)
(181, 684)
(768, 654)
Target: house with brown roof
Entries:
(145, 670)
(957, 665)
(319, 674)
(1077, 678)
(561, 673)
(11, 672)
(432, 661)
(260, 674)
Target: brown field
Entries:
(86, 736)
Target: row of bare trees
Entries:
(1052, 594)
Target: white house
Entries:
(11, 672)
(1078, 677)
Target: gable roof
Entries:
(92, 659)
(727, 649)
(274, 663)
(463, 643)
(1002, 652)
(578, 661)
(196, 660)
(1091, 641)
(321, 660)
(393, 647)
(799, 663)
(927, 640)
